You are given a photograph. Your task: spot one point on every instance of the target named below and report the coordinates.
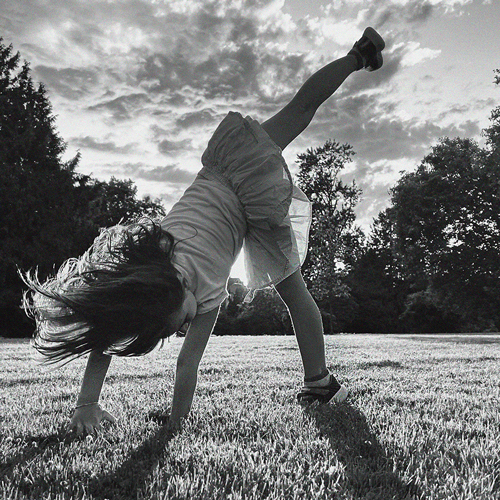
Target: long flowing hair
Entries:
(116, 298)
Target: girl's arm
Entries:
(93, 378)
(88, 413)
(187, 365)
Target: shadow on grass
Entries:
(8, 384)
(120, 483)
(368, 469)
(457, 339)
(124, 481)
(16, 469)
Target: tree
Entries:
(335, 241)
(104, 204)
(432, 256)
(446, 216)
(377, 281)
(266, 314)
(34, 218)
(492, 133)
(448, 223)
(48, 212)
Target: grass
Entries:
(422, 421)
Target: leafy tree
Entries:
(446, 221)
(447, 217)
(265, 315)
(116, 200)
(492, 133)
(335, 241)
(431, 262)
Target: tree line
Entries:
(430, 262)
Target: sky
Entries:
(139, 86)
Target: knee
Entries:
(292, 288)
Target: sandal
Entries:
(323, 394)
(368, 50)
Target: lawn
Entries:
(422, 421)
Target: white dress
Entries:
(242, 197)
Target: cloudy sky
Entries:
(139, 85)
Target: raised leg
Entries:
(288, 123)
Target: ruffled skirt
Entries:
(243, 157)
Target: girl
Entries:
(142, 282)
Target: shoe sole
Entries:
(375, 38)
(377, 64)
(339, 397)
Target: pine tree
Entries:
(48, 212)
(34, 181)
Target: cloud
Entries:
(415, 54)
(153, 79)
(70, 83)
(124, 107)
(124, 58)
(376, 130)
(195, 118)
(167, 147)
(171, 174)
(409, 12)
(88, 142)
(391, 138)
(231, 72)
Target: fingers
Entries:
(85, 425)
(107, 416)
(81, 429)
(174, 425)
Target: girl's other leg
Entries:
(307, 323)
(319, 384)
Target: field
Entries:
(422, 421)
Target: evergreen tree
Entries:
(48, 212)
(33, 180)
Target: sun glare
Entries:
(238, 269)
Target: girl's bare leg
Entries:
(307, 323)
(288, 123)
(283, 128)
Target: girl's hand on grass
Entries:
(87, 419)
(174, 425)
